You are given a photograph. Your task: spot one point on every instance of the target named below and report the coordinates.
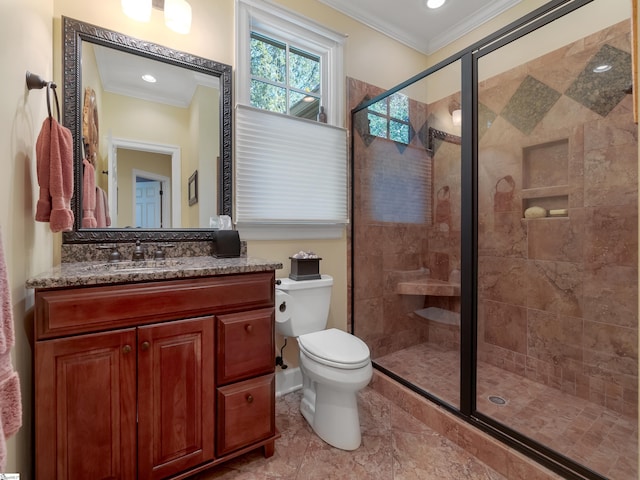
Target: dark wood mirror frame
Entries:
(74, 32)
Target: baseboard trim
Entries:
(288, 381)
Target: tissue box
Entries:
(305, 268)
(226, 244)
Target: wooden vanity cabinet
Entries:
(154, 391)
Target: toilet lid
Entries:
(335, 348)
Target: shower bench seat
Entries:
(440, 315)
(428, 286)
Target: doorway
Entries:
(159, 162)
(152, 195)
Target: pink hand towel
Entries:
(54, 152)
(43, 145)
(10, 397)
(88, 195)
(102, 208)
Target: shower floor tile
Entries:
(599, 438)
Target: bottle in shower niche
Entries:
(322, 116)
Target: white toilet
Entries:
(335, 365)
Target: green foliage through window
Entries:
(389, 118)
(284, 79)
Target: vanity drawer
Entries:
(245, 345)
(246, 413)
(85, 309)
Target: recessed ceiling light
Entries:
(435, 3)
(602, 68)
(147, 77)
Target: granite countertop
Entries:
(75, 274)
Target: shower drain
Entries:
(497, 400)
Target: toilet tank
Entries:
(306, 305)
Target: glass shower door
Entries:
(406, 230)
(557, 331)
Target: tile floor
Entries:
(395, 446)
(601, 439)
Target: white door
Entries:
(148, 202)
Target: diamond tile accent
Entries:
(423, 134)
(601, 92)
(361, 124)
(402, 146)
(529, 104)
(486, 117)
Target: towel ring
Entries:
(52, 86)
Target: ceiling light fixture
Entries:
(177, 13)
(435, 3)
(456, 117)
(147, 77)
(139, 10)
(602, 68)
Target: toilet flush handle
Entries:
(283, 306)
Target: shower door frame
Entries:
(469, 58)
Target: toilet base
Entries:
(336, 419)
(329, 398)
(332, 413)
(308, 405)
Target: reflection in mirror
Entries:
(146, 118)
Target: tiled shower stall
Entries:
(556, 328)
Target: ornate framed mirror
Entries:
(192, 136)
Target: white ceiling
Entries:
(122, 72)
(412, 23)
(408, 21)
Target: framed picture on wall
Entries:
(193, 188)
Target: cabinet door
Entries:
(175, 396)
(85, 401)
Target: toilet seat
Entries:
(335, 348)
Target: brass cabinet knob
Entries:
(145, 345)
(249, 328)
(249, 398)
(126, 349)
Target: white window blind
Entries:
(289, 171)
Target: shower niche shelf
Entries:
(545, 176)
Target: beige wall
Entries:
(26, 39)
(139, 120)
(206, 148)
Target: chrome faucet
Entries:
(138, 253)
(114, 256)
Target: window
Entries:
(284, 79)
(389, 118)
(287, 63)
(290, 173)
